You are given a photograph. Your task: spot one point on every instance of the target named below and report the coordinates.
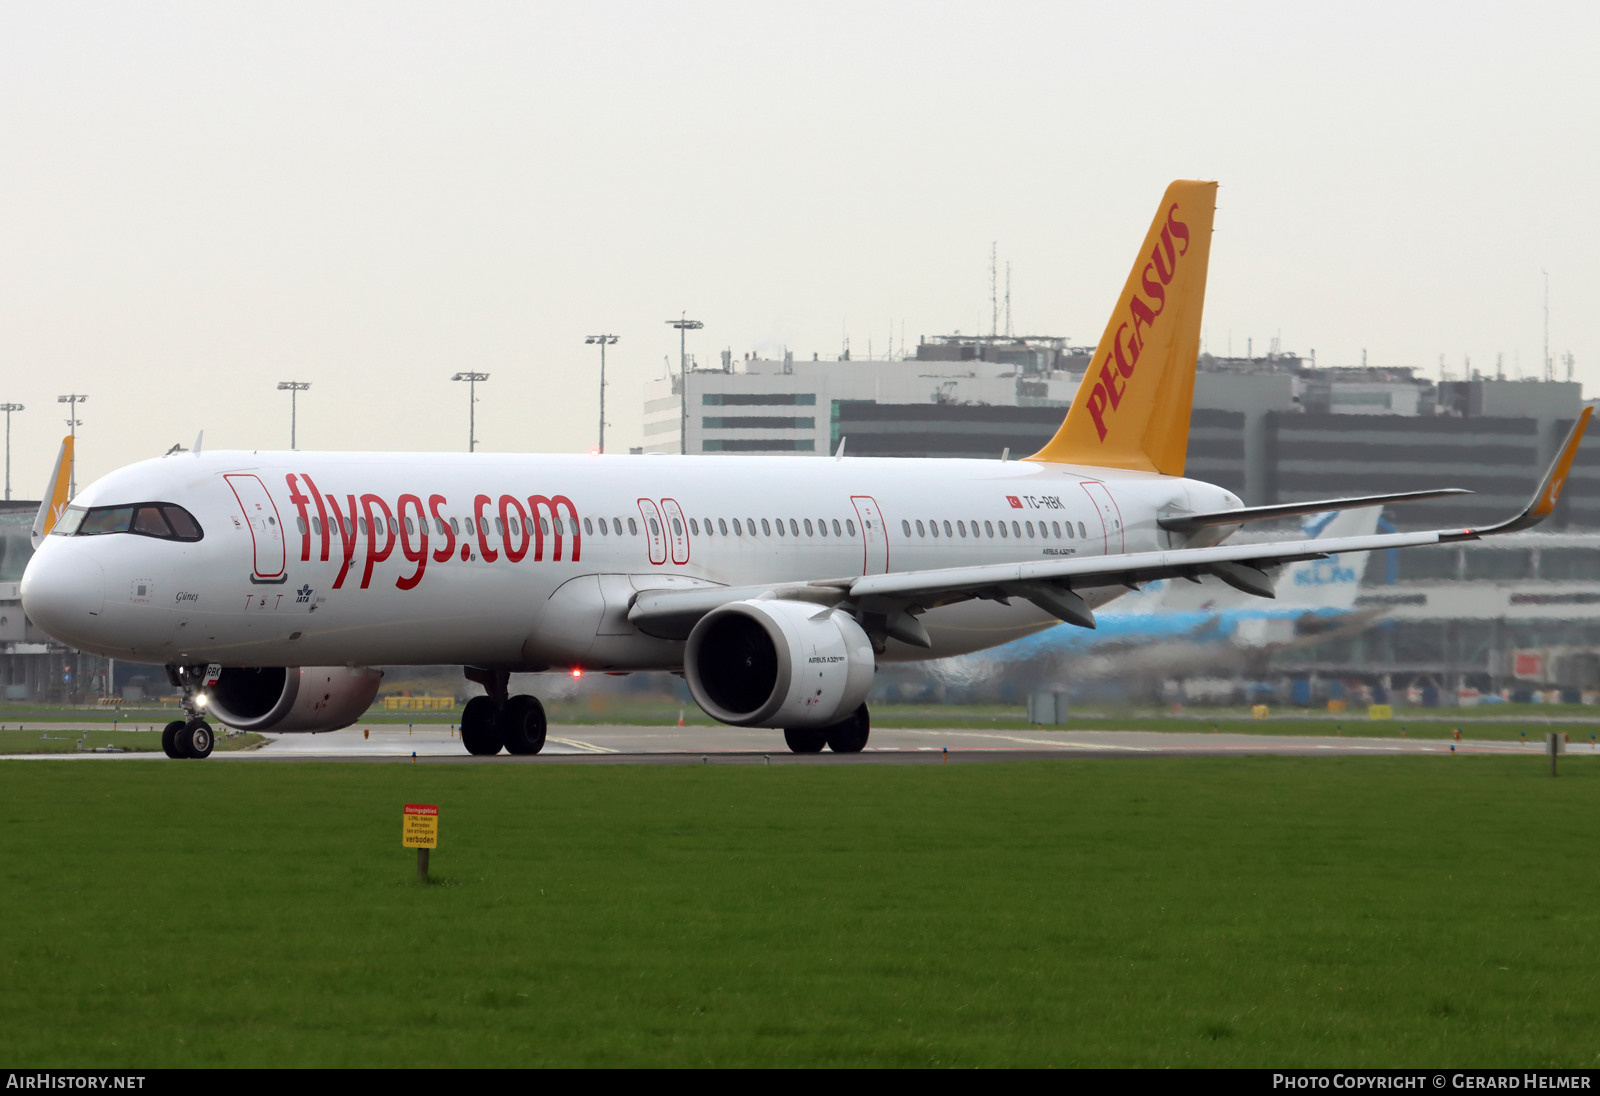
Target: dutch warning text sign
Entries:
(419, 828)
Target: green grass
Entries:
(1194, 912)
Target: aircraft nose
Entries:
(63, 591)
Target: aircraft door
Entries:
(1110, 516)
(874, 539)
(654, 531)
(677, 529)
(266, 530)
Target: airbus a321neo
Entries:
(271, 584)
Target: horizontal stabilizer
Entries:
(1190, 523)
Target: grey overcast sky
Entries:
(200, 200)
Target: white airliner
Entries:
(269, 584)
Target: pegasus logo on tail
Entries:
(1125, 347)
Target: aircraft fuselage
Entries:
(531, 561)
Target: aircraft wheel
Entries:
(169, 740)
(805, 740)
(850, 735)
(197, 739)
(480, 731)
(523, 724)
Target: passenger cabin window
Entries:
(850, 526)
(161, 520)
(722, 525)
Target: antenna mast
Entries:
(1008, 298)
(994, 294)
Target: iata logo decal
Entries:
(1120, 359)
(302, 595)
(510, 527)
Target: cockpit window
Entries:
(68, 525)
(106, 519)
(147, 520)
(161, 520)
(184, 527)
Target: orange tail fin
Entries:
(1132, 410)
(55, 497)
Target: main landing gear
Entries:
(190, 737)
(849, 735)
(490, 723)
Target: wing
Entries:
(1052, 585)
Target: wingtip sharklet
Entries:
(1544, 500)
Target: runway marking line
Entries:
(579, 744)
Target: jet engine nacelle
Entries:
(773, 663)
(293, 698)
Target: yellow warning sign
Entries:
(1380, 711)
(419, 827)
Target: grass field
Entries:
(1205, 911)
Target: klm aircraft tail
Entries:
(1330, 585)
(1132, 410)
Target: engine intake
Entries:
(775, 663)
(293, 698)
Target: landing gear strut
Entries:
(849, 735)
(192, 736)
(496, 720)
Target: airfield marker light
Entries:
(1452, 748)
(577, 671)
(945, 756)
(366, 733)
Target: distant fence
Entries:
(418, 703)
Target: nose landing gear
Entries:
(191, 737)
(490, 723)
